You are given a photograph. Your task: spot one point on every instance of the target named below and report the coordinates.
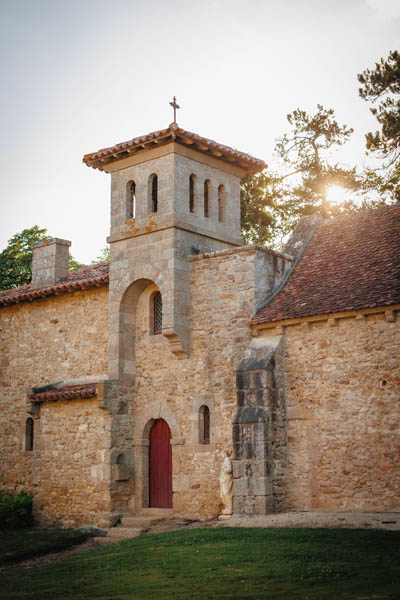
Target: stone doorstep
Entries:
(140, 521)
(157, 512)
(134, 525)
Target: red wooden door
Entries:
(160, 466)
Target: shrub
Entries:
(15, 510)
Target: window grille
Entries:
(157, 313)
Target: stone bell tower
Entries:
(174, 194)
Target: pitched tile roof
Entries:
(173, 133)
(80, 279)
(70, 392)
(352, 262)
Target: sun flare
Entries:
(336, 194)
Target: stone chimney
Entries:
(49, 262)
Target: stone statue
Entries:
(226, 484)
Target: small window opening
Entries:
(120, 459)
(207, 198)
(29, 433)
(221, 203)
(204, 425)
(157, 307)
(154, 193)
(131, 197)
(191, 193)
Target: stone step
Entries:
(164, 513)
(122, 533)
(139, 521)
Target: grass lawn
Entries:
(298, 564)
(19, 544)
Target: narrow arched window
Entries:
(29, 427)
(221, 203)
(131, 199)
(153, 193)
(191, 192)
(207, 184)
(157, 313)
(204, 425)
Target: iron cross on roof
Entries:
(174, 106)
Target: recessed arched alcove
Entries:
(123, 324)
(127, 329)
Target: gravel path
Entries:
(331, 519)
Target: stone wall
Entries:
(223, 299)
(71, 476)
(343, 383)
(173, 171)
(41, 342)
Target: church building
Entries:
(123, 385)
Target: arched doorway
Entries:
(160, 466)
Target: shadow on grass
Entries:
(223, 563)
(21, 544)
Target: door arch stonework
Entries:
(143, 425)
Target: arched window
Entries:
(192, 187)
(204, 424)
(153, 193)
(221, 203)
(131, 199)
(157, 313)
(207, 184)
(29, 434)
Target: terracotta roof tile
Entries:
(173, 133)
(70, 392)
(352, 262)
(80, 279)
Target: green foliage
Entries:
(272, 202)
(224, 562)
(259, 202)
(306, 151)
(74, 265)
(16, 258)
(383, 83)
(311, 136)
(15, 510)
(104, 256)
(385, 183)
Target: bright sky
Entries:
(80, 75)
